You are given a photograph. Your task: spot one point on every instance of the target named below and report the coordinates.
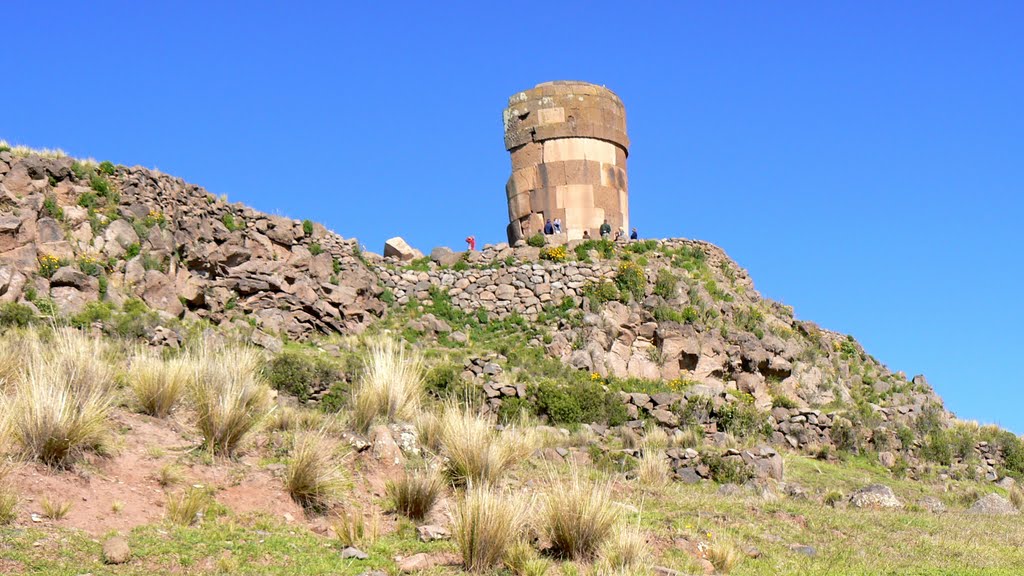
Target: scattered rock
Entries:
(116, 551)
(804, 550)
(415, 563)
(430, 532)
(932, 504)
(384, 446)
(351, 552)
(397, 247)
(875, 496)
(993, 504)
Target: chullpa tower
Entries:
(569, 146)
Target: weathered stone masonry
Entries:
(569, 146)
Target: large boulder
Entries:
(445, 256)
(397, 247)
(875, 496)
(993, 504)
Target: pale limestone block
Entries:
(551, 115)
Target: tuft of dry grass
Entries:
(415, 493)
(690, 437)
(8, 499)
(523, 560)
(476, 451)
(314, 479)
(22, 151)
(1017, 498)
(429, 430)
(169, 475)
(653, 469)
(158, 385)
(485, 525)
(53, 415)
(188, 506)
(55, 509)
(578, 515)
(290, 419)
(391, 385)
(229, 396)
(353, 529)
(627, 552)
(655, 437)
(723, 555)
(630, 440)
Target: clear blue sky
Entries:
(863, 160)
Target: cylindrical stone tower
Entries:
(569, 146)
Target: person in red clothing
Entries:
(471, 240)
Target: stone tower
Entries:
(569, 146)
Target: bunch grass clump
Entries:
(486, 524)
(55, 509)
(59, 407)
(476, 450)
(158, 385)
(723, 555)
(8, 499)
(627, 552)
(522, 559)
(578, 515)
(391, 385)
(314, 479)
(653, 469)
(352, 528)
(415, 494)
(188, 506)
(229, 396)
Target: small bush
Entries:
(301, 374)
(49, 264)
(579, 403)
(726, 470)
(414, 494)
(169, 475)
(229, 396)
(476, 451)
(107, 167)
(52, 208)
(228, 219)
(833, 498)
(444, 381)
(537, 241)
(188, 506)
(313, 479)
(158, 384)
(307, 227)
(578, 515)
(316, 249)
(15, 314)
(485, 525)
(630, 279)
(783, 401)
(936, 448)
(553, 253)
(743, 420)
(600, 292)
(100, 185)
(132, 250)
(429, 430)
(665, 284)
(391, 385)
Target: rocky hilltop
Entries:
(76, 236)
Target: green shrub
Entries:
(107, 167)
(443, 381)
(783, 401)
(604, 247)
(665, 285)
(579, 403)
(15, 314)
(511, 409)
(5, 148)
(749, 319)
(307, 227)
(90, 266)
(537, 241)
(88, 200)
(52, 208)
(230, 223)
(601, 292)
(630, 279)
(844, 436)
(135, 320)
(642, 246)
(743, 420)
(936, 448)
(301, 374)
(93, 312)
(316, 249)
(80, 170)
(49, 264)
(100, 185)
(132, 250)
(906, 436)
(726, 470)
